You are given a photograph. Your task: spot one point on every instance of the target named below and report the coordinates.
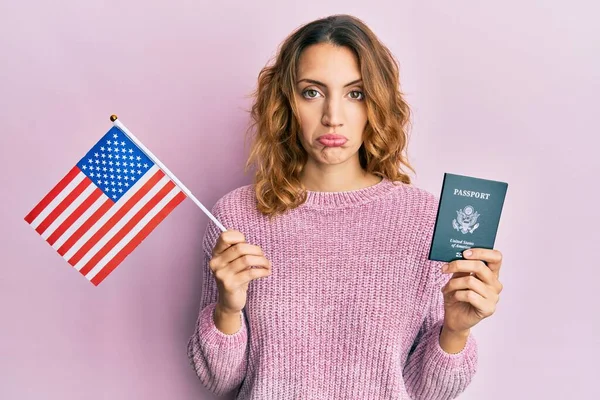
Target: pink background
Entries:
(500, 90)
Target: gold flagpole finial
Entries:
(113, 118)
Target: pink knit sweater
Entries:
(353, 308)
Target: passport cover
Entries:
(468, 216)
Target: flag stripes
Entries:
(94, 233)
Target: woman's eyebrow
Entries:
(315, 82)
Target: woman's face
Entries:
(330, 101)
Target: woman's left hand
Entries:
(474, 289)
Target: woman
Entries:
(344, 303)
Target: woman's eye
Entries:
(310, 93)
(357, 95)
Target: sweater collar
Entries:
(316, 199)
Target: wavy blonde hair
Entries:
(276, 152)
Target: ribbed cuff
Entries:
(213, 337)
(466, 359)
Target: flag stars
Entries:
(115, 163)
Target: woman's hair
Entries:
(276, 152)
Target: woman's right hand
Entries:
(231, 264)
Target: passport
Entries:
(468, 216)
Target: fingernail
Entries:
(468, 253)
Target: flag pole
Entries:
(154, 159)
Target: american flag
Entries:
(105, 206)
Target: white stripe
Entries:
(117, 227)
(111, 211)
(56, 201)
(77, 223)
(67, 211)
(136, 229)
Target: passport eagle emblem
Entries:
(466, 220)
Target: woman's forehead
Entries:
(331, 65)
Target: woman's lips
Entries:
(332, 140)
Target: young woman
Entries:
(344, 303)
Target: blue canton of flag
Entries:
(114, 164)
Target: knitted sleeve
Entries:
(430, 373)
(218, 359)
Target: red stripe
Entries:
(63, 205)
(52, 194)
(74, 216)
(116, 217)
(85, 226)
(127, 228)
(142, 234)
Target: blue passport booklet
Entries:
(468, 216)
